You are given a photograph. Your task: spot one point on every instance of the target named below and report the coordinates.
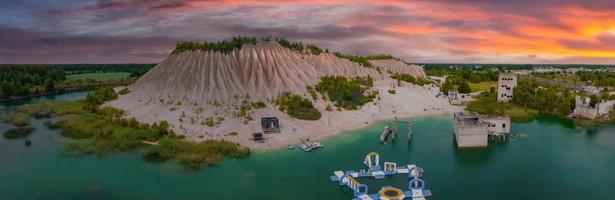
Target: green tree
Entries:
(464, 87)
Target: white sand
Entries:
(409, 101)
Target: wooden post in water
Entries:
(410, 129)
(395, 128)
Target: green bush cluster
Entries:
(224, 46)
(343, 92)
(19, 132)
(101, 131)
(598, 78)
(410, 79)
(25, 80)
(296, 106)
(98, 97)
(364, 60)
(456, 83)
(543, 97)
(487, 104)
(299, 47)
(193, 154)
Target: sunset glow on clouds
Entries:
(497, 31)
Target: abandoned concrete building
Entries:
(506, 84)
(473, 130)
(498, 125)
(583, 108)
(454, 97)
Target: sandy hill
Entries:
(198, 93)
(397, 66)
(262, 71)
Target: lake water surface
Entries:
(552, 161)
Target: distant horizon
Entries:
(439, 31)
(155, 63)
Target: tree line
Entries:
(24, 80)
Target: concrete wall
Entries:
(583, 109)
(498, 124)
(471, 136)
(506, 84)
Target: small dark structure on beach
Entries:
(270, 124)
(258, 137)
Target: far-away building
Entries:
(583, 108)
(454, 98)
(506, 84)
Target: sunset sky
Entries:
(472, 31)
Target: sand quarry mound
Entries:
(260, 71)
(201, 94)
(397, 66)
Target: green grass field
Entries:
(102, 76)
(482, 86)
(490, 106)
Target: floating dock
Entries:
(309, 146)
(385, 134)
(416, 185)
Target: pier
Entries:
(392, 130)
(385, 134)
(416, 185)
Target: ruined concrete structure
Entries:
(498, 125)
(582, 108)
(472, 130)
(454, 97)
(506, 84)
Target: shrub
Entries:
(298, 107)
(19, 132)
(345, 93)
(209, 121)
(18, 119)
(258, 105)
(124, 91)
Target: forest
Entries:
(17, 81)
(597, 78)
(24, 80)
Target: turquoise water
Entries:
(553, 161)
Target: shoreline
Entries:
(186, 118)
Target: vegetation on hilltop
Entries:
(298, 107)
(364, 60)
(224, 46)
(410, 79)
(346, 93)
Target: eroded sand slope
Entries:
(189, 88)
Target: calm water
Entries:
(553, 161)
